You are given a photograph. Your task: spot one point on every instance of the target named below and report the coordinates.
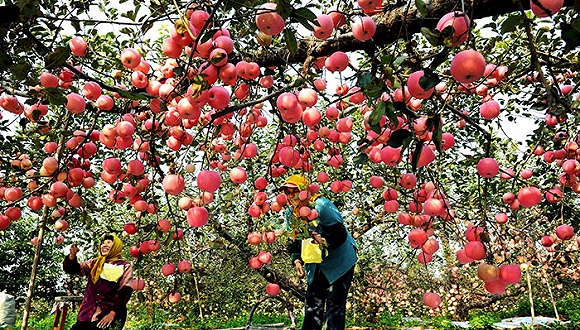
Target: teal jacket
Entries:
(340, 257)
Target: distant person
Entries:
(108, 289)
(328, 280)
(7, 311)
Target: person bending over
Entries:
(330, 278)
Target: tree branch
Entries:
(389, 24)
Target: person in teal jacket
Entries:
(329, 280)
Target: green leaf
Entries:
(447, 36)
(399, 60)
(361, 159)
(511, 22)
(305, 17)
(374, 89)
(416, 155)
(291, 43)
(126, 30)
(433, 36)
(439, 59)
(570, 35)
(229, 196)
(283, 8)
(378, 113)
(364, 80)
(304, 13)
(421, 7)
(391, 113)
(135, 96)
(5, 61)
(398, 138)
(20, 70)
(429, 80)
(55, 96)
(57, 58)
(207, 35)
(437, 131)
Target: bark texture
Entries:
(393, 23)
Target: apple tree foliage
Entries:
(174, 123)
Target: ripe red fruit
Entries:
(134, 251)
(529, 196)
(255, 263)
(272, 289)
(467, 66)
(501, 218)
(426, 157)
(495, 287)
(462, 257)
(260, 183)
(130, 228)
(460, 23)
(173, 184)
(324, 28)
(337, 62)
(265, 257)
(475, 250)
(415, 88)
(430, 246)
(408, 180)
(78, 46)
(489, 110)
(138, 284)
(130, 58)
(174, 297)
(208, 180)
(547, 241)
(363, 28)
(268, 20)
(417, 237)
(487, 167)
(254, 238)
(163, 225)
(4, 222)
(553, 6)
(14, 213)
(510, 273)
(168, 269)
(60, 225)
(431, 300)
(238, 175)
(184, 266)
(197, 216)
(565, 232)
(269, 237)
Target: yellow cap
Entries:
(297, 180)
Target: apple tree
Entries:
(446, 127)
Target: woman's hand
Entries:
(299, 269)
(317, 239)
(107, 320)
(73, 252)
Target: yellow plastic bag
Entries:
(311, 253)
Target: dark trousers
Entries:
(321, 295)
(117, 325)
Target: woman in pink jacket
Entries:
(108, 289)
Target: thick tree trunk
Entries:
(392, 24)
(463, 309)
